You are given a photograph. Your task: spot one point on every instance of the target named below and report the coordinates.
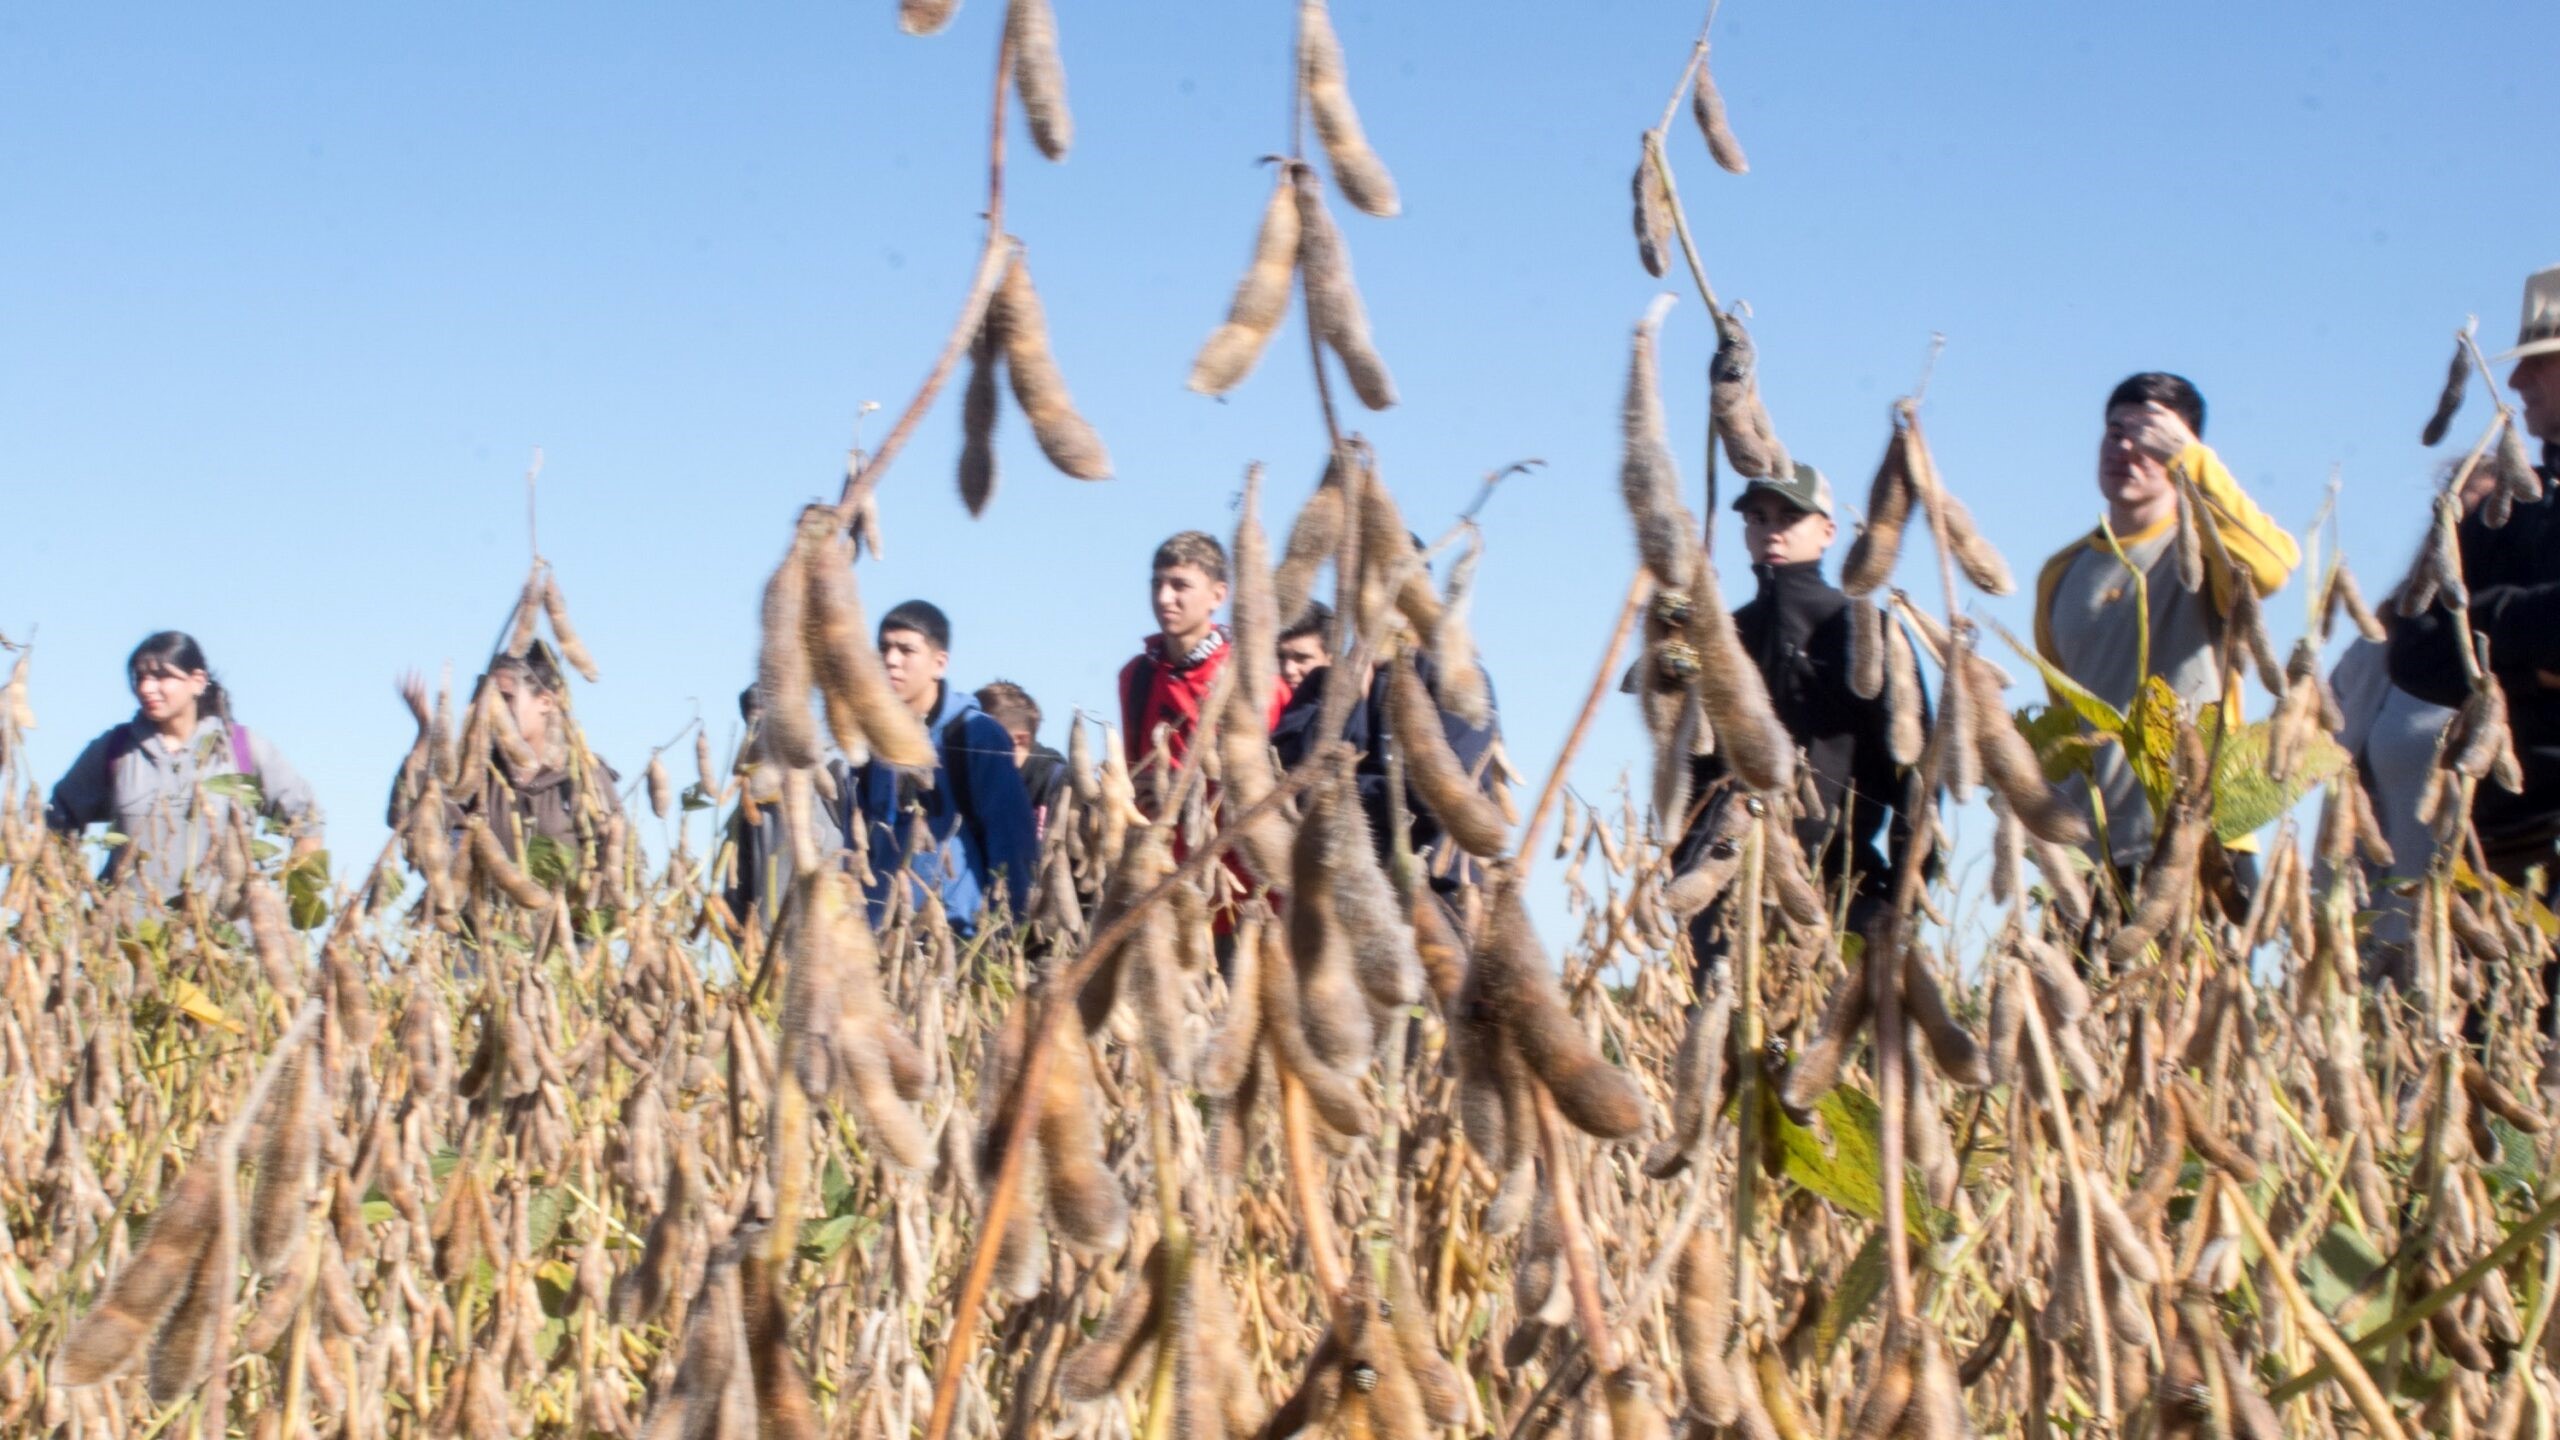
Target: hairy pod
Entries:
(491, 859)
(1334, 1093)
(1038, 388)
(1598, 1097)
(2124, 1242)
(1736, 696)
(1454, 797)
(1356, 167)
(1879, 542)
(2517, 479)
(1040, 78)
(1697, 1081)
(572, 649)
(1973, 555)
(1878, 1409)
(1332, 1008)
(1453, 651)
(1817, 1067)
(1702, 1324)
(2457, 379)
(1443, 1390)
(785, 729)
(288, 1163)
(1666, 533)
(862, 707)
(2206, 1139)
(1652, 217)
(1315, 537)
(1951, 1047)
(1866, 650)
(926, 17)
(1733, 400)
(194, 1329)
(2342, 584)
(1129, 1331)
(981, 405)
(1334, 310)
(1085, 1200)
(2190, 542)
(2009, 762)
(1261, 299)
(110, 1339)
(1707, 105)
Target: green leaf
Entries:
(2246, 798)
(1843, 1173)
(2097, 714)
(238, 789)
(2337, 1267)
(2151, 741)
(2516, 1176)
(306, 890)
(1852, 1295)
(827, 1237)
(543, 1211)
(548, 861)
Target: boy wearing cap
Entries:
(2513, 573)
(2088, 623)
(1796, 630)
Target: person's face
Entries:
(167, 694)
(1187, 600)
(915, 667)
(1778, 533)
(2537, 384)
(1021, 748)
(1300, 657)
(2132, 472)
(529, 705)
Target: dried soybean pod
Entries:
(867, 1050)
(787, 732)
(1356, 167)
(1040, 78)
(2457, 378)
(109, 1339)
(1129, 1331)
(1453, 650)
(1444, 1391)
(1951, 1046)
(1334, 1094)
(1733, 395)
(2123, 1239)
(1038, 388)
(1973, 555)
(1817, 1067)
(572, 649)
(520, 631)
(1866, 650)
(1706, 103)
(1697, 1080)
(662, 791)
(2517, 479)
(1432, 767)
(193, 1331)
(1702, 1322)
(1085, 1199)
(980, 405)
(1315, 536)
(926, 17)
(491, 859)
(1666, 533)
(812, 985)
(1598, 1097)
(1735, 694)
(1333, 296)
(2190, 550)
(1261, 298)
(1652, 217)
(1906, 718)
(2009, 761)
(862, 708)
(1877, 1412)
(288, 1156)
(2343, 583)
(1879, 541)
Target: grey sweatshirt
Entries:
(149, 794)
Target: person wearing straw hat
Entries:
(2513, 574)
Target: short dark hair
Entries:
(1196, 548)
(2174, 393)
(750, 700)
(1009, 703)
(921, 617)
(1315, 620)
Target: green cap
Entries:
(1806, 489)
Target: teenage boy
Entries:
(1796, 630)
(1302, 651)
(1044, 771)
(1163, 689)
(964, 830)
(2088, 624)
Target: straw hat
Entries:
(2539, 332)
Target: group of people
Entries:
(2114, 610)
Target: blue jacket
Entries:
(975, 819)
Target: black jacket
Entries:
(2513, 573)
(1295, 738)
(1796, 631)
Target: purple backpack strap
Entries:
(241, 758)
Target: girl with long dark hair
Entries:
(145, 778)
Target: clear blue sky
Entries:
(288, 294)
